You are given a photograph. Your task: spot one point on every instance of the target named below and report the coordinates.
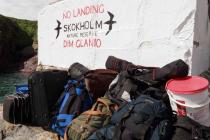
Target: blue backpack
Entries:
(74, 100)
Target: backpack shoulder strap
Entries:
(146, 76)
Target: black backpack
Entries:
(187, 129)
(135, 81)
(105, 133)
(143, 119)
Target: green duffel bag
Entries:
(90, 121)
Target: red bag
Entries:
(97, 81)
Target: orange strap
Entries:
(99, 100)
(102, 101)
(95, 113)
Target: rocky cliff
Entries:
(16, 40)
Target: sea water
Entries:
(8, 82)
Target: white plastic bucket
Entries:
(189, 97)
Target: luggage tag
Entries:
(22, 89)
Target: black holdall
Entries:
(118, 64)
(177, 68)
(171, 70)
(45, 87)
(16, 109)
(135, 80)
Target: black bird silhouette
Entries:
(110, 22)
(58, 28)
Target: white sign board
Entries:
(146, 32)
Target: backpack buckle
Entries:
(163, 129)
(197, 134)
(130, 108)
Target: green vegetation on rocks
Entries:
(30, 27)
(15, 36)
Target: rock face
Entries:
(21, 132)
(30, 65)
(13, 40)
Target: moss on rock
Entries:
(15, 35)
(30, 27)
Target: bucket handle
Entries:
(186, 105)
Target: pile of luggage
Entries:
(122, 102)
